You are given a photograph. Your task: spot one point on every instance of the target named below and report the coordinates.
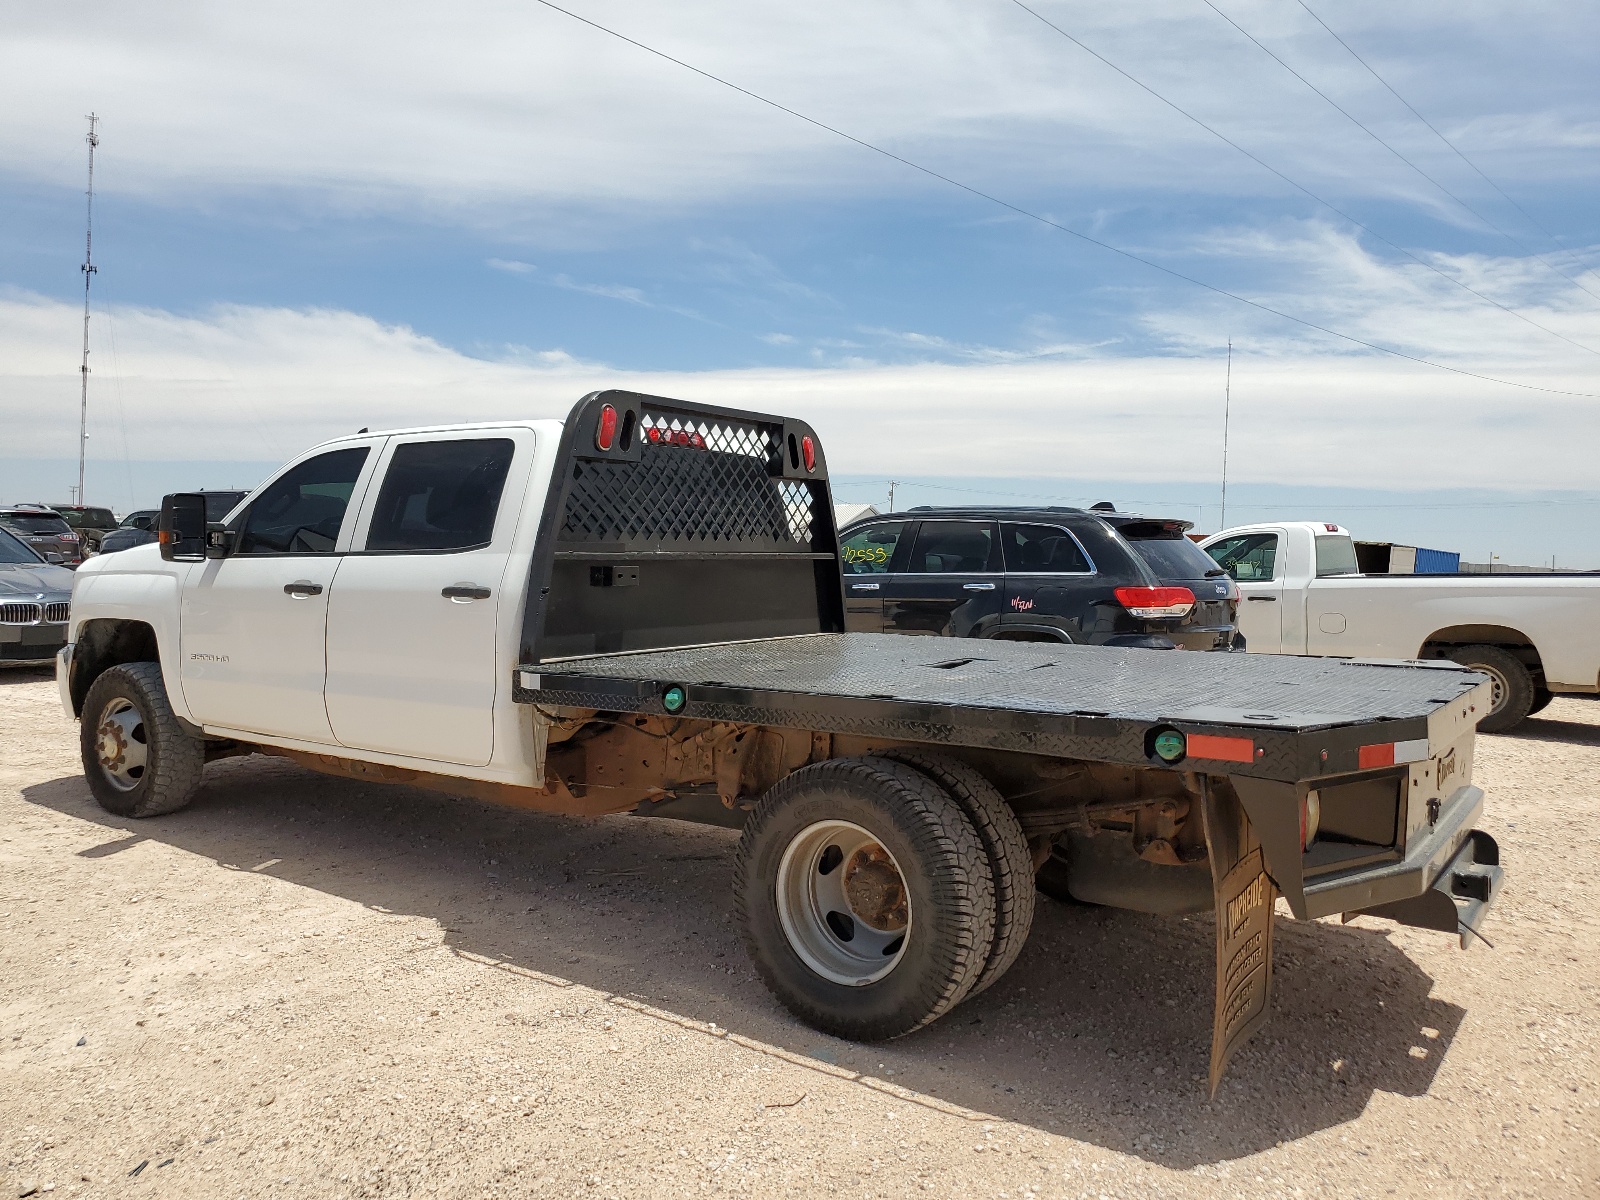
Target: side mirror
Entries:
(219, 540)
(182, 528)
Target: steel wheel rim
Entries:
(843, 903)
(121, 746)
(1497, 684)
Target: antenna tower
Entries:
(88, 272)
(1227, 412)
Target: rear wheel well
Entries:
(1441, 643)
(104, 644)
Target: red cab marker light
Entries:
(1156, 601)
(605, 434)
(808, 451)
(1221, 749)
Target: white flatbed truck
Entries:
(640, 610)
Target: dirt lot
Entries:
(309, 987)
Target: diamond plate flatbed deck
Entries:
(1305, 717)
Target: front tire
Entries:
(1513, 685)
(864, 897)
(138, 760)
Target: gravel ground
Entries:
(304, 986)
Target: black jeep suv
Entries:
(1098, 577)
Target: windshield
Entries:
(1169, 555)
(220, 504)
(13, 551)
(36, 523)
(1336, 555)
(89, 518)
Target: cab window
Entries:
(441, 495)
(1249, 557)
(301, 511)
(870, 551)
(1336, 555)
(955, 548)
(1041, 549)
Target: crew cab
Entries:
(1534, 636)
(1091, 577)
(640, 610)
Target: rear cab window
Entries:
(1336, 555)
(1042, 550)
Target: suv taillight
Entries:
(1156, 601)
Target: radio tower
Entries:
(88, 271)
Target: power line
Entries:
(1461, 154)
(1218, 134)
(1375, 137)
(1043, 220)
(848, 482)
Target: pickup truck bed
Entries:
(1305, 718)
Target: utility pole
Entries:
(1227, 412)
(893, 483)
(88, 272)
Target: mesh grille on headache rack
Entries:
(696, 482)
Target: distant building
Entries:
(843, 514)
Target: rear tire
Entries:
(1010, 860)
(864, 897)
(138, 760)
(1513, 685)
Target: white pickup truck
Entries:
(641, 610)
(1302, 593)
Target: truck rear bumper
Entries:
(1447, 881)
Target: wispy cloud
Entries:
(282, 379)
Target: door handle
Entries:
(977, 587)
(460, 592)
(301, 588)
(1268, 599)
(864, 587)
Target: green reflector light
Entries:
(674, 699)
(1170, 745)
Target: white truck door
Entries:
(412, 620)
(253, 624)
(1255, 562)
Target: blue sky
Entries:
(318, 216)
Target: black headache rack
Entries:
(674, 524)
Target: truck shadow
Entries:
(10, 676)
(1567, 733)
(1100, 1032)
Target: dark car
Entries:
(1037, 574)
(35, 602)
(137, 529)
(44, 531)
(91, 524)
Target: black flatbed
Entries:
(1304, 717)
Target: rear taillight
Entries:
(1156, 601)
(605, 433)
(808, 452)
